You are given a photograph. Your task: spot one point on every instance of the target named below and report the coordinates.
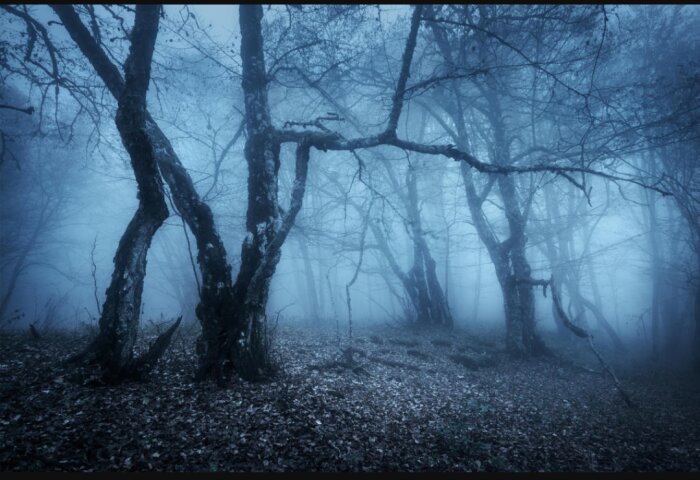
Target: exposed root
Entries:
(135, 370)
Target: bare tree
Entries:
(113, 347)
(216, 300)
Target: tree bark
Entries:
(214, 310)
(113, 347)
(430, 301)
(508, 256)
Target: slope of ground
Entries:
(408, 402)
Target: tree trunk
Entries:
(113, 347)
(215, 308)
(507, 256)
(655, 254)
(243, 343)
(528, 342)
(263, 216)
(312, 306)
(21, 259)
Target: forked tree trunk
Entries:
(524, 339)
(242, 344)
(260, 255)
(428, 298)
(263, 216)
(508, 256)
(216, 305)
(509, 262)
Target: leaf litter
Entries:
(418, 403)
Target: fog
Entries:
(67, 182)
(458, 210)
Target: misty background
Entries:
(67, 190)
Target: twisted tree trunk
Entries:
(215, 308)
(113, 347)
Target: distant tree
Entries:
(37, 199)
(481, 105)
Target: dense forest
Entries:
(350, 237)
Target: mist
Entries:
(289, 195)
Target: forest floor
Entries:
(406, 405)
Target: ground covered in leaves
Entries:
(405, 402)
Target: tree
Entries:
(216, 297)
(487, 124)
(113, 346)
(38, 198)
(268, 225)
(508, 255)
